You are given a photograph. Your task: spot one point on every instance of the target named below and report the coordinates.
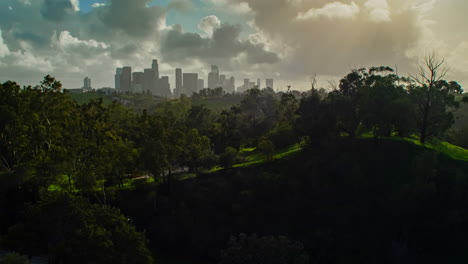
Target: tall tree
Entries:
(433, 98)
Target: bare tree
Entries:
(429, 94)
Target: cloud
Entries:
(56, 10)
(98, 5)
(378, 10)
(331, 11)
(208, 24)
(224, 45)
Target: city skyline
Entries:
(149, 79)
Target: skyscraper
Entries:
(213, 77)
(155, 68)
(258, 83)
(149, 79)
(118, 73)
(201, 84)
(137, 81)
(269, 83)
(126, 79)
(190, 83)
(87, 83)
(164, 88)
(178, 82)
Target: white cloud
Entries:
(75, 4)
(208, 24)
(98, 4)
(378, 10)
(236, 7)
(10, 8)
(331, 10)
(3, 47)
(66, 39)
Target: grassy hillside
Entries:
(348, 203)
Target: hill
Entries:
(352, 202)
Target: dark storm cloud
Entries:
(224, 44)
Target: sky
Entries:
(288, 40)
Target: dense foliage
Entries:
(64, 164)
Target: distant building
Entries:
(201, 84)
(269, 83)
(230, 86)
(178, 82)
(118, 73)
(126, 79)
(155, 68)
(213, 77)
(258, 84)
(149, 79)
(87, 83)
(190, 81)
(164, 88)
(137, 81)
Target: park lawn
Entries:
(256, 157)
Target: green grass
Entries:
(453, 151)
(256, 157)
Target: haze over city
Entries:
(288, 40)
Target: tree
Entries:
(14, 258)
(384, 104)
(263, 250)
(70, 230)
(433, 98)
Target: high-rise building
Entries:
(149, 80)
(201, 84)
(190, 81)
(87, 83)
(178, 82)
(155, 68)
(213, 77)
(138, 78)
(269, 83)
(230, 86)
(164, 88)
(118, 73)
(126, 79)
(222, 79)
(246, 85)
(258, 84)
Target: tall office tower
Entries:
(87, 83)
(213, 77)
(258, 84)
(190, 83)
(118, 73)
(149, 79)
(178, 82)
(126, 79)
(138, 78)
(222, 79)
(231, 87)
(269, 83)
(245, 87)
(201, 84)
(155, 68)
(164, 88)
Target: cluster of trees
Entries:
(47, 139)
